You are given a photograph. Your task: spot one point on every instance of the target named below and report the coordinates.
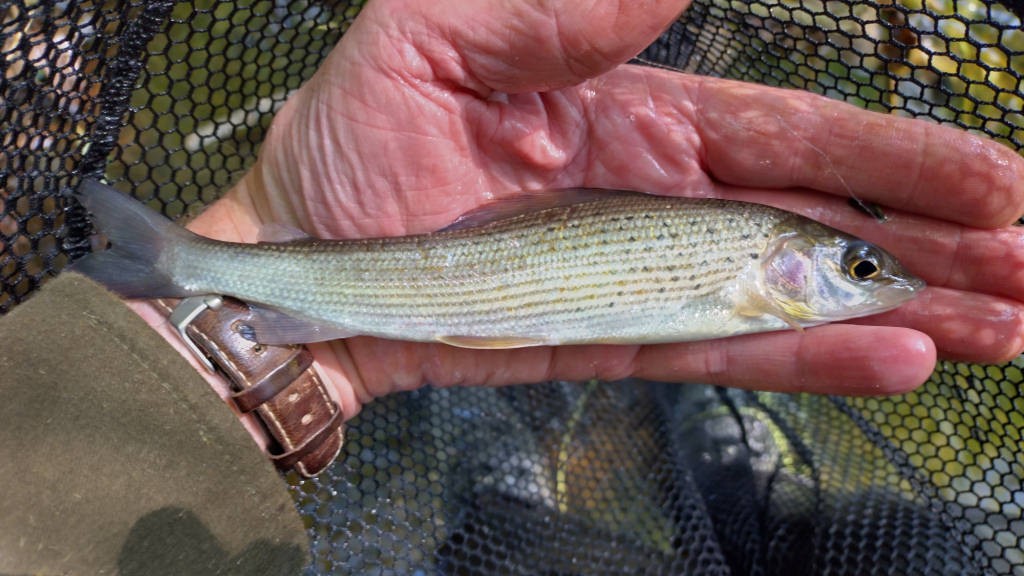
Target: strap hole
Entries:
(307, 419)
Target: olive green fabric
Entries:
(117, 458)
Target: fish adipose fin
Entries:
(490, 343)
(279, 327)
(137, 235)
(529, 202)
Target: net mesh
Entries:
(171, 100)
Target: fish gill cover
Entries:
(171, 100)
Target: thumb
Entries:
(532, 45)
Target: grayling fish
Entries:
(562, 267)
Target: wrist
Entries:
(157, 320)
(234, 218)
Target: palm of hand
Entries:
(405, 128)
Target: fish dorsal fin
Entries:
(276, 327)
(529, 201)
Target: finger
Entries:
(837, 359)
(963, 325)
(942, 253)
(531, 45)
(833, 359)
(753, 135)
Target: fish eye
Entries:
(862, 263)
(863, 269)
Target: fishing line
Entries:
(869, 208)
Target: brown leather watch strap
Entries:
(276, 383)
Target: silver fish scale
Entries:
(627, 268)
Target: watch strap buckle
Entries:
(187, 310)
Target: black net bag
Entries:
(171, 101)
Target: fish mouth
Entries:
(900, 291)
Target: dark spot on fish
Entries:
(659, 237)
(754, 255)
(729, 259)
(731, 220)
(628, 217)
(711, 230)
(611, 304)
(645, 269)
(661, 290)
(632, 238)
(697, 286)
(620, 293)
(766, 235)
(675, 278)
(704, 263)
(693, 277)
(745, 236)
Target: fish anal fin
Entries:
(281, 327)
(490, 342)
(527, 202)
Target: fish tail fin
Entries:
(137, 236)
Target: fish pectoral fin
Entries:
(490, 342)
(280, 327)
(758, 305)
(279, 232)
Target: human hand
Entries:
(425, 111)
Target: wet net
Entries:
(171, 100)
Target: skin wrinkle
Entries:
(639, 155)
(698, 122)
(576, 154)
(581, 63)
(715, 362)
(650, 109)
(492, 68)
(355, 376)
(958, 245)
(805, 152)
(924, 150)
(593, 160)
